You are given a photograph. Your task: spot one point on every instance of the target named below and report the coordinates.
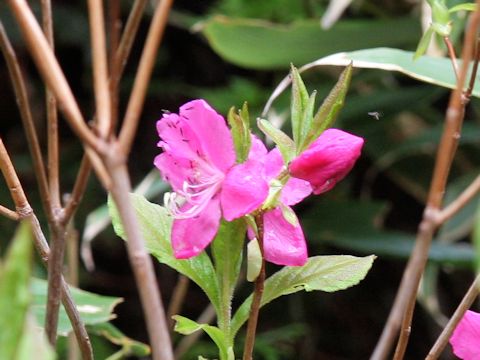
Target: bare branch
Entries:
(144, 72)
(464, 305)
(25, 211)
(51, 72)
(27, 119)
(12, 215)
(100, 71)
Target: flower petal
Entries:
(244, 189)
(174, 170)
(212, 131)
(283, 243)
(327, 160)
(273, 164)
(190, 236)
(257, 149)
(294, 191)
(466, 337)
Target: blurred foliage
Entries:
(239, 50)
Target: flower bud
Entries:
(327, 160)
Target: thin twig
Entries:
(455, 206)
(178, 296)
(473, 76)
(257, 297)
(402, 310)
(452, 55)
(12, 215)
(78, 190)
(114, 31)
(51, 72)
(21, 95)
(141, 262)
(144, 72)
(100, 68)
(464, 305)
(25, 212)
(72, 278)
(52, 116)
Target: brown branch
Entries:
(257, 297)
(114, 31)
(12, 215)
(464, 305)
(178, 297)
(25, 212)
(75, 197)
(141, 262)
(100, 70)
(23, 103)
(52, 118)
(452, 55)
(402, 310)
(473, 75)
(51, 72)
(455, 206)
(142, 78)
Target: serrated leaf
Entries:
(93, 308)
(186, 326)
(254, 260)
(129, 347)
(156, 224)
(299, 103)
(463, 7)
(326, 273)
(282, 140)
(227, 248)
(14, 293)
(423, 44)
(330, 108)
(240, 129)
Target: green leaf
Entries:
(93, 308)
(14, 293)
(227, 250)
(299, 103)
(431, 70)
(282, 140)
(129, 347)
(325, 273)
(423, 44)
(240, 126)
(99, 219)
(156, 224)
(186, 326)
(262, 45)
(463, 7)
(330, 108)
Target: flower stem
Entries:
(257, 297)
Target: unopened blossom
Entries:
(466, 337)
(198, 160)
(327, 160)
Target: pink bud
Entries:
(327, 160)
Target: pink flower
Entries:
(327, 160)
(198, 160)
(466, 337)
